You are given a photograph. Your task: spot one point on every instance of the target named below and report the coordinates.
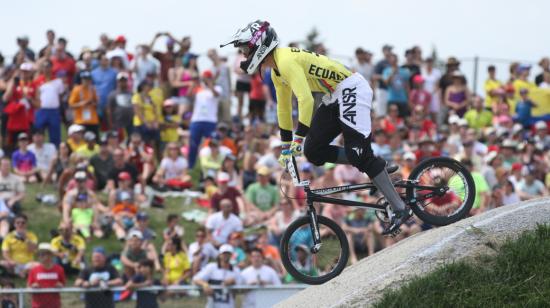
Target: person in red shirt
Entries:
(422, 120)
(47, 274)
(256, 106)
(21, 98)
(226, 192)
(62, 62)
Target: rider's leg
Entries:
(324, 129)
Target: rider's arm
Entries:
(284, 109)
(294, 74)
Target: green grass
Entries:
(517, 276)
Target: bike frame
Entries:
(319, 195)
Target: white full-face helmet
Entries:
(255, 41)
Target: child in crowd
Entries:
(144, 278)
(170, 122)
(84, 217)
(24, 161)
(124, 213)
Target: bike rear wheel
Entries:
(314, 267)
(452, 205)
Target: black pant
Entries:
(325, 127)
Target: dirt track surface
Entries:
(361, 284)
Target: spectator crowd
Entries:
(115, 133)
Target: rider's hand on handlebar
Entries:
(286, 154)
(296, 147)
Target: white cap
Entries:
(135, 233)
(541, 125)
(26, 66)
(226, 248)
(462, 122)
(517, 128)
(275, 143)
(409, 155)
(45, 247)
(75, 128)
(453, 119)
(490, 156)
(223, 177)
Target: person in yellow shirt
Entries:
(177, 269)
(83, 101)
(170, 122)
(493, 88)
(75, 137)
(69, 249)
(346, 108)
(90, 148)
(18, 248)
(147, 104)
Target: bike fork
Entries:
(314, 226)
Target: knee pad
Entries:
(364, 160)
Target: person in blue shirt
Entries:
(104, 78)
(397, 80)
(524, 109)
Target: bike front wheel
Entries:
(299, 257)
(443, 191)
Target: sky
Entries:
(502, 29)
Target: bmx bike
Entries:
(315, 249)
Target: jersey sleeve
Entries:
(297, 80)
(284, 109)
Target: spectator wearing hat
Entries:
(81, 188)
(75, 138)
(508, 150)
(18, 248)
(258, 274)
(122, 203)
(24, 51)
(24, 161)
(541, 134)
(492, 161)
(226, 192)
(147, 113)
(478, 117)
(46, 274)
(220, 273)
(530, 187)
(457, 95)
(69, 249)
(119, 109)
(446, 80)
(83, 101)
(149, 235)
(91, 147)
(101, 274)
(262, 195)
(44, 152)
(397, 79)
(20, 96)
(104, 78)
(522, 72)
(419, 96)
(205, 113)
(221, 224)
(134, 252)
(102, 162)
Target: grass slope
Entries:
(517, 276)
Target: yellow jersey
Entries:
(151, 110)
(76, 243)
(18, 249)
(302, 72)
(176, 265)
(491, 85)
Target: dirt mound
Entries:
(361, 284)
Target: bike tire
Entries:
(470, 191)
(285, 245)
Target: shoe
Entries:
(392, 168)
(398, 218)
